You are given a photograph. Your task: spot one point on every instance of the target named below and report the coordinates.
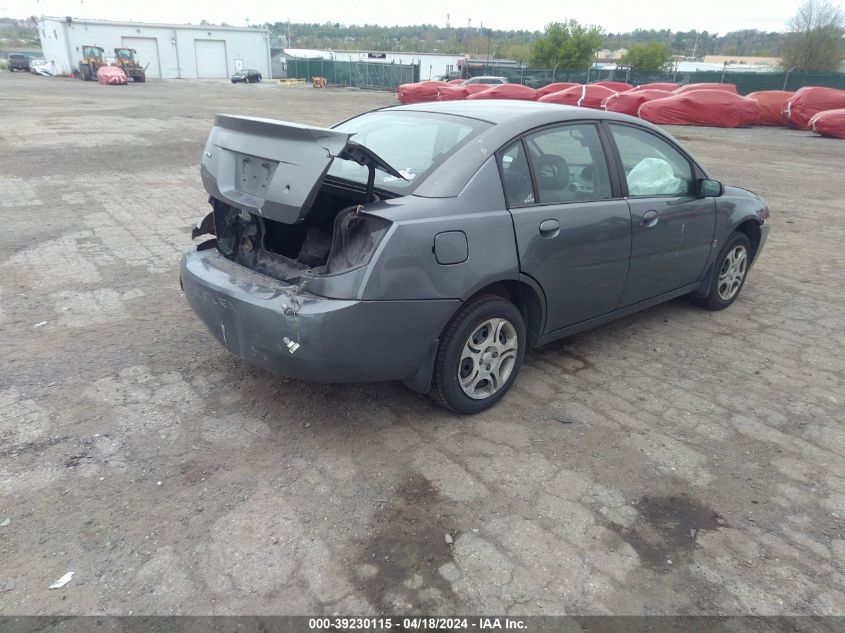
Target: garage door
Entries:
(211, 59)
(146, 51)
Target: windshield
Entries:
(413, 143)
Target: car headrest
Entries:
(552, 172)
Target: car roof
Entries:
(509, 118)
(500, 111)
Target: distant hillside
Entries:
(18, 34)
(427, 38)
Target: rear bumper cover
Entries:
(261, 320)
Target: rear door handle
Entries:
(649, 218)
(549, 228)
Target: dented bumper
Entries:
(289, 331)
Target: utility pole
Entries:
(489, 39)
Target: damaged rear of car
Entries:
(298, 217)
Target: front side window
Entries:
(413, 143)
(569, 164)
(652, 166)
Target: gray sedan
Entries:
(436, 243)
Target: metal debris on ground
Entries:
(61, 582)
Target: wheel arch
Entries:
(751, 228)
(527, 296)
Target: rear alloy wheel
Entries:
(730, 273)
(479, 356)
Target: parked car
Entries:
(485, 80)
(40, 67)
(436, 242)
(17, 61)
(246, 76)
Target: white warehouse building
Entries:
(169, 51)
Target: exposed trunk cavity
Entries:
(336, 235)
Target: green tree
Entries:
(517, 52)
(815, 37)
(648, 57)
(568, 45)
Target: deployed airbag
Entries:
(653, 176)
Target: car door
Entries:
(671, 227)
(573, 229)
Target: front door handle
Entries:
(549, 228)
(649, 218)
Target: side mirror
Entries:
(710, 188)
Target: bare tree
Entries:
(815, 41)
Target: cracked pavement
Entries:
(674, 462)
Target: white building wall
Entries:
(431, 64)
(62, 43)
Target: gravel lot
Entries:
(677, 462)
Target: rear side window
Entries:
(569, 164)
(652, 166)
(516, 176)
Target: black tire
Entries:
(258, 80)
(445, 386)
(85, 73)
(722, 291)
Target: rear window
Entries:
(413, 143)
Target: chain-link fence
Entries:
(368, 75)
(745, 81)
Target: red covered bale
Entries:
(713, 108)
(691, 87)
(418, 92)
(555, 87)
(590, 96)
(506, 91)
(829, 123)
(618, 86)
(629, 102)
(772, 103)
(809, 101)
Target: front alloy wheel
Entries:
(479, 356)
(732, 273)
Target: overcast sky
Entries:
(719, 16)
